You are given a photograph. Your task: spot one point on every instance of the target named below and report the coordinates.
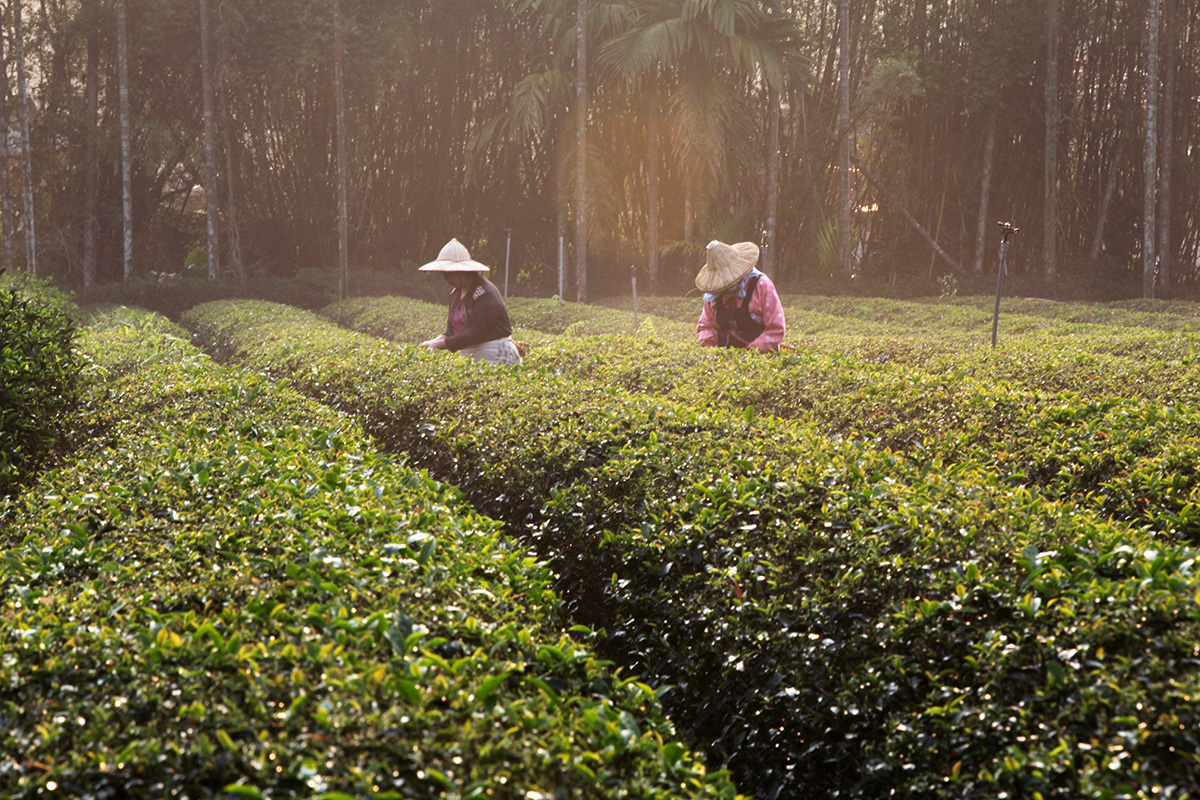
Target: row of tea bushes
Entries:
(171, 295)
(1152, 350)
(838, 619)
(1130, 456)
(968, 314)
(39, 378)
(580, 319)
(409, 321)
(229, 593)
(1047, 347)
(399, 319)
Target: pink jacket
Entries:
(764, 307)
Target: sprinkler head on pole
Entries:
(1007, 229)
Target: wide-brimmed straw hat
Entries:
(725, 265)
(454, 258)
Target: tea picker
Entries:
(741, 306)
(477, 324)
(1006, 230)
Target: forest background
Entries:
(867, 145)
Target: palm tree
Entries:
(535, 121)
(704, 54)
(540, 111)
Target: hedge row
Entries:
(1118, 449)
(1047, 348)
(913, 317)
(39, 379)
(1145, 347)
(839, 619)
(410, 321)
(1129, 457)
(173, 295)
(229, 593)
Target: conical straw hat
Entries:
(454, 258)
(726, 264)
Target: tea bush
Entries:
(1085, 347)
(173, 295)
(579, 319)
(400, 319)
(39, 379)
(229, 593)
(405, 320)
(1105, 441)
(840, 615)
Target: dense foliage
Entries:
(402, 319)
(229, 593)
(172, 296)
(887, 562)
(39, 379)
(460, 120)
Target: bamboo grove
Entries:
(868, 141)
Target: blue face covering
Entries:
(737, 290)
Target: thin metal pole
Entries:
(633, 278)
(1006, 230)
(999, 287)
(507, 253)
(560, 268)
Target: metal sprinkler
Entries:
(1006, 230)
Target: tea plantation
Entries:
(226, 591)
(889, 561)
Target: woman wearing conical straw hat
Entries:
(477, 324)
(741, 306)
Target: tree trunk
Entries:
(6, 210)
(844, 136)
(652, 157)
(92, 91)
(1151, 163)
(772, 182)
(887, 195)
(340, 98)
(26, 148)
(818, 205)
(1050, 207)
(985, 188)
(562, 185)
(232, 229)
(1167, 137)
(773, 114)
(689, 207)
(1110, 183)
(211, 191)
(126, 140)
(581, 112)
